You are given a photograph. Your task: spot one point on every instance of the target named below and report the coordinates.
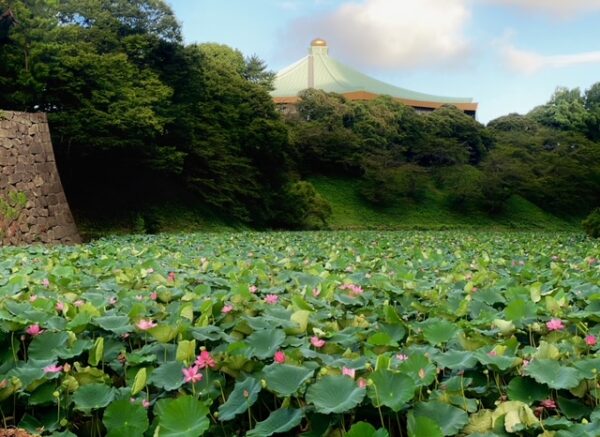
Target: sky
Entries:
(509, 55)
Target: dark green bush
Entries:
(304, 208)
(591, 224)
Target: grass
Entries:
(351, 211)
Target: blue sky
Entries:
(509, 55)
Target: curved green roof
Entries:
(333, 76)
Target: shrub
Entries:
(303, 207)
(591, 224)
(383, 186)
(462, 185)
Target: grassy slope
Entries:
(350, 211)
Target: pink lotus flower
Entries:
(79, 303)
(59, 306)
(526, 363)
(549, 404)
(154, 295)
(316, 292)
(362, 382)
(271, 299)
(354, 289)
(349, 372)
(146, 403)
(205, 359)
(33, 298)
(53, 369)
(144, 324)
(171, 277)
(402, 357)
(591, 340)
(253, 289)
(474, 290)
(227, 309)
(192, 374)
(45, 282)
(279, 357)
(492, 353)
(317, 342)
(555, 325)
(34, 330)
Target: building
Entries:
(318, 70)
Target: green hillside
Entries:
(351, 211)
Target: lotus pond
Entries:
(315, 334)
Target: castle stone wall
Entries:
(28, 172)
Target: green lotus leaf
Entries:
(499, 362)
(48, 346)
(419, 426)
(335, 394)
(263, 344)
(124, 418)
(43, 395)
(163, 333)
(518, 310)
(552, 374)
(381, 339)
(279, 421)
(456, 360)
(449, 418)
(526, 390)
(588, 367)
(168, 376)
(391, 389)
(93, 396)
(242, 397)
(285, 379)
(419, 368)
(573, 408)
(438, 331)
(117, 324)
(364, 429)
(299, 317)
(182, 417)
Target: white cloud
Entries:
(393, 33)
(559, 8)
(528, 62)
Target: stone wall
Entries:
(30, 187)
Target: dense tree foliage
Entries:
(548, 156)
(138, 116)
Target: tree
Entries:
(564, 111)
(235, 145)
(452, 138)
(592, 105)
(505, 171)
(256, 72)
(303, 208)
(462, 183)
